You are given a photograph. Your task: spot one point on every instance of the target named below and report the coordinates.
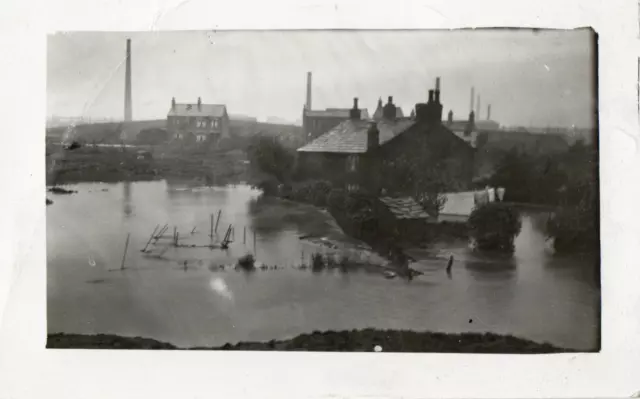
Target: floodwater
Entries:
(533, 295)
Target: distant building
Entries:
(356, 152)
(317, 122)
(378, 115)
(198, 122)
(469, 129)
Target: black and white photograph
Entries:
(337, 191)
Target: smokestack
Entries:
(128, 114)
(308, 105)
(489, 112)
(473, 94)
(437, 98)
(478, 108)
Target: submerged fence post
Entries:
(244, 235)
(211, 227)
(218, 220)
(150, 238)
(124, 255)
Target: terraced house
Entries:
(356, 153)
(197, 123)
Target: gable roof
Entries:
(404, 208)
(335, 113)
(350, 136)
(377, 115)
(212, 110)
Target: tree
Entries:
(418, 177)
(494, 226)
(269, 156)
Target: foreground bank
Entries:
(344, 341)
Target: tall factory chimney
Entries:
(127, 85)
(473, 94)
(308, 104)
(489, 112)
(478, 107)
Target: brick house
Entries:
(197, 123)
(355, 153)
(317, 122)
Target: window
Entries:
(352, 188)
(352, 163)
(215, 123)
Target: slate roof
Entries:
(212, 110)
(404, 208)
(335, 113)
(350, 137)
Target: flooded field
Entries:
(532, 295)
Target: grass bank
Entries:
(109, 165)
(330, 341)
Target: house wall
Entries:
(326, 166)
(197, 128)
(449, 154)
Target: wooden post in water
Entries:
(244, 235)
(161, 232)
(218, 220)
(211, 227)
(150, 238)
(177, 238)
(124, 255)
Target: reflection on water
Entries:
(126, 199)
(196, 297)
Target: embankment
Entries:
(331, 341)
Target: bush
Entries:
(337, 199)
(247, 262)
(317, 262)
(494, 226)
(269, 186)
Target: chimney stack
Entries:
(128, 113)
(450, 117)
(308, 104)
(473, 94)
(430, 97)
(373, 136)
(199, 104)
(437, 99)
(389, 110)
(354, 113)
(478, 107)
(489, 112)
(173, 103)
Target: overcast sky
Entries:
(529, 79)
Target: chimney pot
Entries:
(450, 117)
(438, 84)
(430, 96)
(390, 99)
